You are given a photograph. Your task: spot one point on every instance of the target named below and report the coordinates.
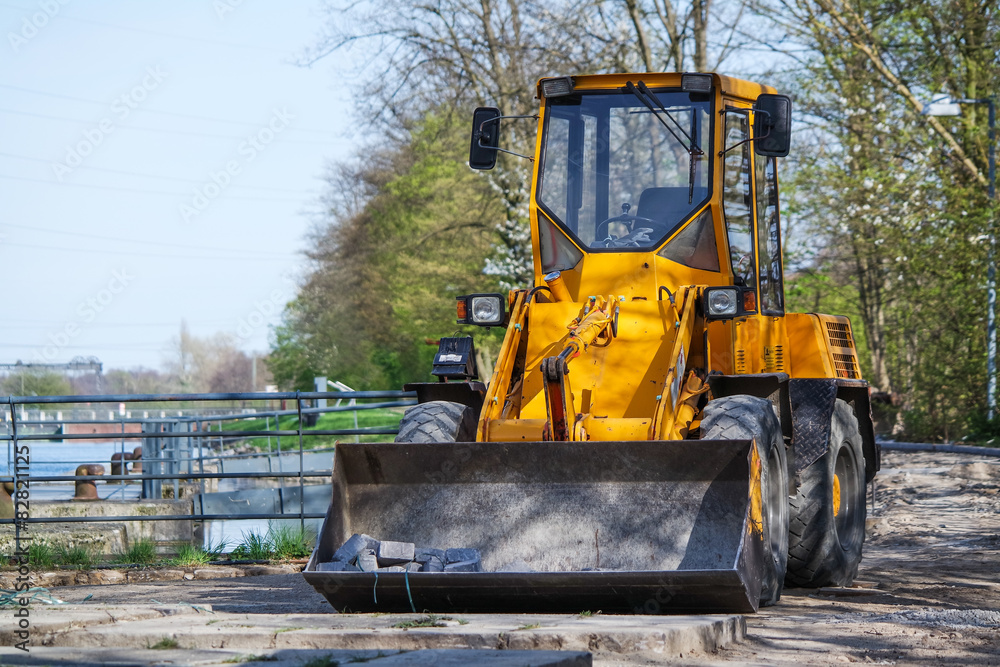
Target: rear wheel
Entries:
(437, 421)
(746, 418)
(828, 512)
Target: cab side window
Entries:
(737, 200)
(772, 296)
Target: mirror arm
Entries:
(751, 139)
(479, 140)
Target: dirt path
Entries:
(933, 555)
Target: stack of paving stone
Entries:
(363, 553)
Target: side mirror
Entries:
(485, 138)
(772, 125)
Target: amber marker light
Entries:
(750, 301)
(462, 309)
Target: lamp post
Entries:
(944, 105)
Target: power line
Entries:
(141, 242)
(131, 253)
(117, 346)
(135, 190)
(167, 178)
(92, 325)
(154, 111)
(154, 32)
(42, 116)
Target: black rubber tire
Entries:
(826, 537)
(744, 418)
(437, 421)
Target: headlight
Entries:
(722, 302)
(485, 310)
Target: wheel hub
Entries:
(836, 495)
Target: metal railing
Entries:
(188, 447)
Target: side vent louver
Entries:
(841, 341)
(778, 364)
(840, 335)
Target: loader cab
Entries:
(676, 169)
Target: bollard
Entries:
(6, 501)
(137, 461)
(86, 489)
(117, 467)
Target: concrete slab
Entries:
(290, 658)
(653, 638)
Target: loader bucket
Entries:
(622, 527)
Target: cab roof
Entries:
(728, 85)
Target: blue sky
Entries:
(159, 162)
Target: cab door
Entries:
(770, 293)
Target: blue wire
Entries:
(374, 594)
(406, 578)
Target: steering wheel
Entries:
(630, 220)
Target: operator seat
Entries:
(668, 205)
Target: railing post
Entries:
(17, 474)
(121, 482)
(302, 492)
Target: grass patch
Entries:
(216, 549)
(322, 661)
(41, 556)
(237, 659)
(428, 621)
(587, 614)
(333, 421)
(287, 630)
(140, 552)
(290, 541)
(188, 555)
(254, 546)
(78, 557)
(165, 643)
(280, 542)
(531, 626)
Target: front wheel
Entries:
(437, 421)
(828, 512)
(751, 418)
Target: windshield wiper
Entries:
(642, 92)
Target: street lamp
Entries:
(944, 105)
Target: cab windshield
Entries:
(624, 170)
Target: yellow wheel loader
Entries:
(658, 434)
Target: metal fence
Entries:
(184, 438)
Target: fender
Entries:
(812, 402)
(466, 393)
(773, 387)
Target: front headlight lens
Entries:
(722, 302)
(486, 309)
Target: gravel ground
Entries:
(929, 582)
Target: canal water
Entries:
(62, 458)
